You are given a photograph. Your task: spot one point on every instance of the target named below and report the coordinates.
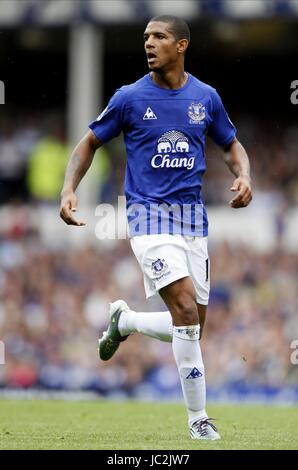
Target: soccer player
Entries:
(165, 117)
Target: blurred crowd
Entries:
(54, 306)
(54, 301)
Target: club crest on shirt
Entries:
(196, 112)
(159, 267)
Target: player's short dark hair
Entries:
(178, 27)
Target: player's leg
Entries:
(162, 260)
(158, 325)
(124, 321)
(180, 297)
(199, 270)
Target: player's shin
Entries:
(187, 353)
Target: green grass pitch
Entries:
(102, 424)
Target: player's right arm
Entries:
(79, 162)
(108, 125)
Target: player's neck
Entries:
(170, 79)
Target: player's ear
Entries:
(182, 45)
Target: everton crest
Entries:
(159, 267)
(196, 112)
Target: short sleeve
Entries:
(110, 123)
(221, 130)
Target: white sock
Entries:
(188, 356)
(158, 325)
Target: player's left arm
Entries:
(237, 160)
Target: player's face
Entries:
(161, 47)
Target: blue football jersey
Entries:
(165, 132)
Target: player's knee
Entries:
(186, 310)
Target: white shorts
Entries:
(167, 258)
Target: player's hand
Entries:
(242, 185)
(68, 207)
